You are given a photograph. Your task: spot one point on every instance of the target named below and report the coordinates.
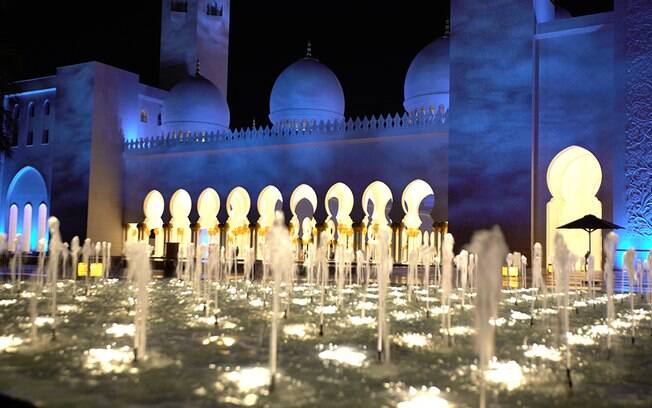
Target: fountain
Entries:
(490, 247)
(447, 281)
(563, 263)
(628, 262)
(56, 247)
(610, 243)
(137, 254)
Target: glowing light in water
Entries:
(120, 330)
(507, 373)
(516, 315)
(423, 398)
(220, 340)
(295, 330)
(7, 302)
(65, 309)
(10, 343)
(412, 339)
(362, 321)
(458, 331)
(330, 309)
(542, 352)
(579, 339)
(248, 379)
(110, 360)
(344, 355)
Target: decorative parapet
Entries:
(323, 131)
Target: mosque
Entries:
(523, 117)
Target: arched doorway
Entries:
(153, 207)
(208, 206)
(574, 178)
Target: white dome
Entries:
(195, 105)
(427, 83)
(306, 90)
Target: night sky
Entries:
(369, 45)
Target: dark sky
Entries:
(368, 44)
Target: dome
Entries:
(195, 105)
(427, 83)
(306, 90)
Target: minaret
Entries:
(193, 30)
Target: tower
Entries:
(194, 30)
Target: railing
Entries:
(322, 131)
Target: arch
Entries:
(30, 109)
(13, 225)
(267, 204)
(413, 195)
(153, 207)
(27, 227)
(300, 212)
(238, 204)
(208, 207)
(574, 177)
(46, 107)
(344, 197)
(42, 219)
(180, 207)
(27, 186)
(379, 195)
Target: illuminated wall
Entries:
(396, 160)
(575, 102)
(491, 119)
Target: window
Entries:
(179, 6)
(13, 222)
(27, 227)
(45, 138)
(42, 221)
(30, 137)
(46, 108)
(14, 125)
(30, 109)
(158, 119)
(143, 116)
(212, 9)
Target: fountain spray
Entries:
(384, 268)
(488, 245)
(538, 283)
(56, 247)
(610, 243)
(137, 254)
(628, 262)
(86, 257)
(563, 262)
(447, 281)
(281, 260)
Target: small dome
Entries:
(427, 83)
(306, 91)
(195, 105)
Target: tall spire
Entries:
(447, 27)
(197, 66)
(309, 49)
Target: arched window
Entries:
(42, 221)
(158, 119)
(45, 137)
(14, 125)
(143, 116)
(212, 9)
(27, 227)
(30, 109)
(13, 222)
(46, 107)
